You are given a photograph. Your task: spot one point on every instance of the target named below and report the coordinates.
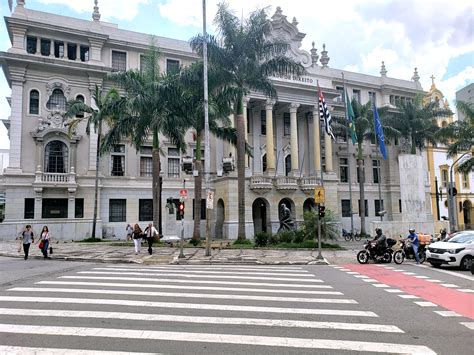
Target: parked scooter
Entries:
(406, 252)
(371, 252)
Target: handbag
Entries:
(41, 244)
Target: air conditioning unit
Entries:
(187, 166)
(227, 165)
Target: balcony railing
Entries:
(54, 177)
(308, 183)
(286, 183)
(262, 183)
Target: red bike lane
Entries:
(451, 299)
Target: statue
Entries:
(286, 221)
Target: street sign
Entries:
(183, 193)
(319, 194)
(210, 200)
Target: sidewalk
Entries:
(107, 253)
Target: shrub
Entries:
(286, 236)
(195, 242)
(273, 239)
(91, 240)
(244, 241)
(299, 236)
(261, 239)
(329, 226)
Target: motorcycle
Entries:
(371, 251)
(406, 252)
(348, 236)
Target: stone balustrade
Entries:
(286, 183)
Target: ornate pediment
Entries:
(288, 31)
(55, 121)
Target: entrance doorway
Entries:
(260, 215)
(220, 217)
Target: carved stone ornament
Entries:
(57, 85)
(287, 31)
(54, 120)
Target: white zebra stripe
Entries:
(28, 350)
(229, 267)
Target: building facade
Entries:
(50, 177)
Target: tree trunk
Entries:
(240, 169)
(361, 175)
(413, 146)
(156, 188)
(96, 182)
(197, 190)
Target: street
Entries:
(63, 307)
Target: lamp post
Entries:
(451, 193)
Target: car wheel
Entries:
(436, 265)
(466, 263)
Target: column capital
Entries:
(294, 107)
(269, 104)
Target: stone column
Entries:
(316, 141)
(328, 152)
(294, 138)
(38, 46)
(269, 136)
(245, 103)
(78, 53)
(51, 48)
(17, 76)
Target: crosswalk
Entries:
(167, 308)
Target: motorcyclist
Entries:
(413, 237)
(381, 240)
(443, 234)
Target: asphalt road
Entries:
(63, 307)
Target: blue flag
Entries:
(379, 132)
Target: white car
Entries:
(457, 251)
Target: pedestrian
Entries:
(27, 239)
(414, 243)
(150, 234)
(45, 239)
(137, 236)
(129, 230)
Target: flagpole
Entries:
(320, 255)
(207, 152)
(348, 160)
(378, 172)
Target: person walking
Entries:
(150, 234)
(28, 238)
(137, 236)
(129, 231)
(45, 239)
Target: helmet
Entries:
(412, 230)
(378, 231)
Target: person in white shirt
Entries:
(150, 234)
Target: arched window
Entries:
(56, 157)
(57, 100)
(80, 98)
(34, 102)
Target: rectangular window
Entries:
(172, 66)
(34, 102)
(31, 44)
(375, 170)
(59, 49)
(400, 206)
(392, 100)
(263, 122)
(286, 124)
(145, 210)
(346, 208)
(356, 95)
(146, 161)
(361, 172)
(465, 180)
(79, 208)
(373, 97)
(173, 162)
(84, 52)
(118, 160)
(378, 206)
(343, 170)
(341, 94)
(45, 47)
(203, 209)
(54, 208)
(444, 178)
(29, 212)
(366, 205)
(117, 210)
(119, 61)
(71, 51)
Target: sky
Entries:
(435, 36)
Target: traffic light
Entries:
(322, 211)
(181, 209)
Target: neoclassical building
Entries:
(50, 177)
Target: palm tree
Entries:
(189, 104)
(107, 106)
(417, 122)
(365, 131)
(148, 92)
(459, 136)
(247, 57)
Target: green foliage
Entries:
(91, 240)
(299, 236)
(242, 242)
(195, 242)
(329, 226)
(261, 239)
(286, 236)
(273, 239)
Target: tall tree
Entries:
(417, 122)
(364, 131)
(459, 136)
(148, 92)
(248, 56)
(106, 107)
(189, 103)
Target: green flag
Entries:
(350, 117)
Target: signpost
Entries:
(210, 200)
(319, 196)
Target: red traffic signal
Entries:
(181, 209)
